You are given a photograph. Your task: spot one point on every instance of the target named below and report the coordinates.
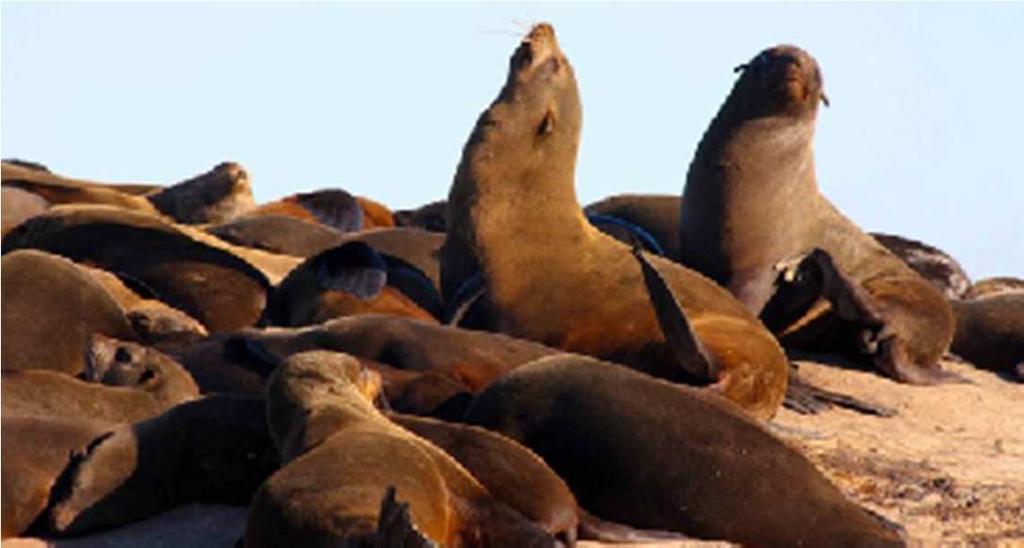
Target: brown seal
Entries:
(20, 205)
(655, 214)
(212, 284)
(341, 456)
(216, 196)
(512, 473)
(124, 382)
(991, 286)
(50, 308)
(154, 321)
(938, 267)
(35, 451)
(751, 202)
(278, 234)
(551, 277)
(658, 455)
(352, 278)
(990, 332)
(375, 214)
(332, 208)
(430, 217)
(60, 190)
(213, 450)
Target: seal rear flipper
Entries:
(594, 528)
(686, 347)
(469, 305)
(807, 399)
(894, 362)
(395, 527)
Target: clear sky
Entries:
(924, 136)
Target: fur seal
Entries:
(60, 190)
(35, 451)
(213, 285)
(123, 382)
(990, 332)
(423, 364)
(658, 455)
(213, 450)
(655, 214)
(751, 202)
(991, 286)
(154, 321)
(341, 456)
(278, 234)
(216, 196)
(375, 214)
(509, 471)
(549, 276)
(50, 308)
(430, 217)
(19, 205)
(333, 208)
(352, 278)
(933, 264)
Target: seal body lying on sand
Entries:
(990, 332)
(341, 456)
(657, 455)
(551, 277)
(751, 203)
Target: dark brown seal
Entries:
(213, 450)
(658, 455)
(752, 202)
(35, 451)
(124, 382)
(430, 217)
(50, 308)
(938, 267)
(990, 332)
(216, 196)
(278, 234)
(350, 279)
(655, 214)
(341, 456)
(550, 276)
(211, 284)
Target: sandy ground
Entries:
(949, 467)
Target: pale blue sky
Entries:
(923, 137)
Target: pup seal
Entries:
(658, 455)
(340, 456)
(551, 277)
(751, 202)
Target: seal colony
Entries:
(515, 371)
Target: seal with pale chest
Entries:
(549, 276)
(751, 202)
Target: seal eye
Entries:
(122, 355)
(547, 125)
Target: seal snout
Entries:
(539, 44)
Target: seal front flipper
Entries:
(678, 331)
(807, 399)
(395, 526)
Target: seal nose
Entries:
(540, 43)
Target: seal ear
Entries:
(740, 68)
(824, 100)
(687, 348)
